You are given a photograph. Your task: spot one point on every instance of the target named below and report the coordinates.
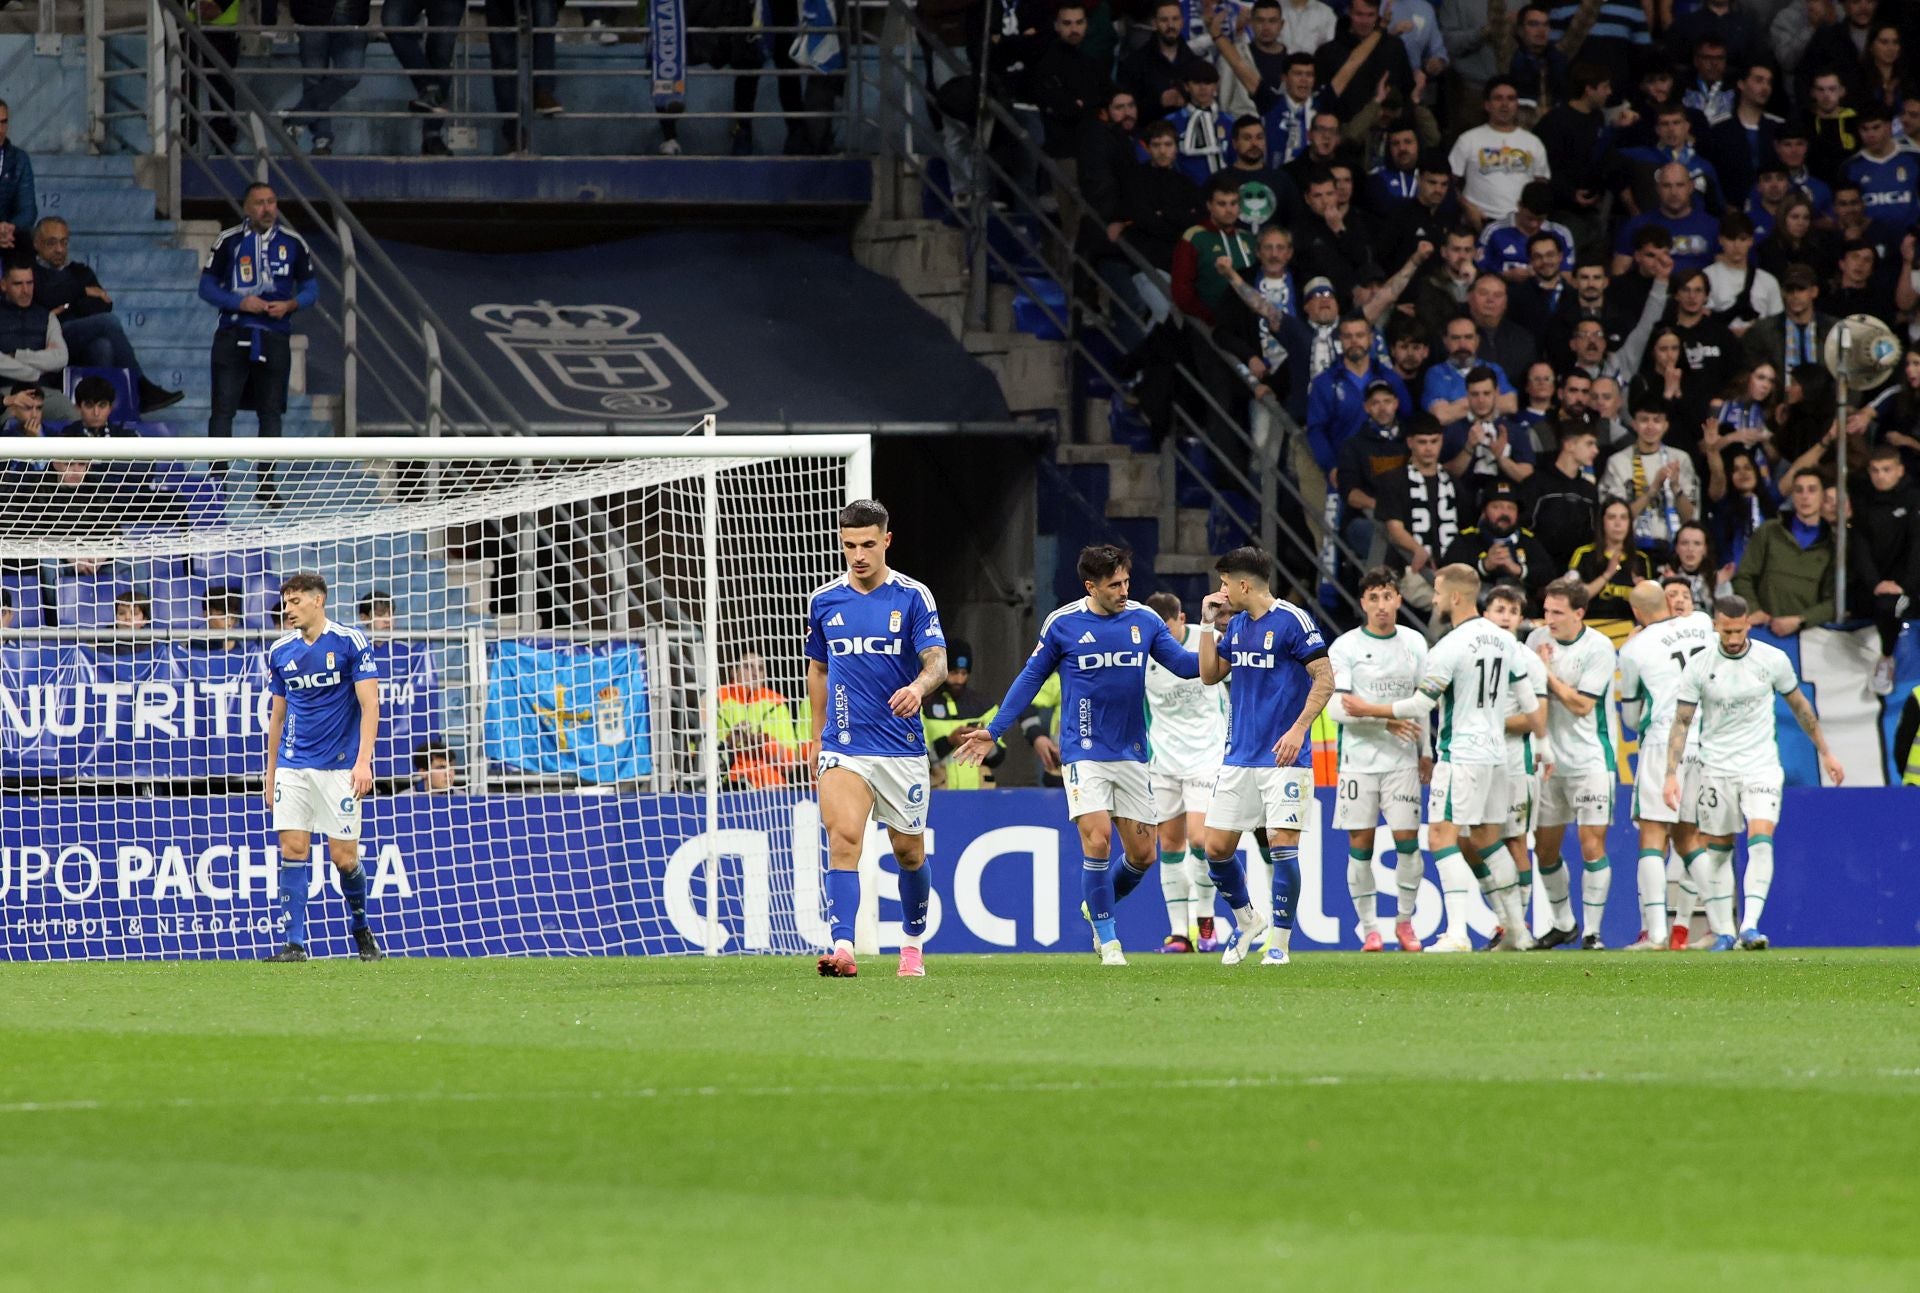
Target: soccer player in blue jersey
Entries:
(1282, 679)
(874, 651)
(320, 734)
(1100, 646)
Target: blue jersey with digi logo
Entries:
(1102, 661)
(1267, 661)
(871, 645)
(316, 678)
(1887, 187)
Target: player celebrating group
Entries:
(1187, 726)
(1732, 690)
(1100, 646)
(863, 632)
(1528, 760)
(1380, 760)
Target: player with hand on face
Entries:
(320, 733)
(865, 632)
(1282, 679)
(1100, 646)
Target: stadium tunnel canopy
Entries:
(752, 325)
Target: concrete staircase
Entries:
(151, 268)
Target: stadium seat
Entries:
(234, 567)
(86, 601)
(28, 611)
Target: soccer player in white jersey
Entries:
(321, 730)
(1282, 679)
(1187, 727)
(874, 650)
(1382, 762)
(1100, 646)
(1650, 667)
(1528, 761)
(1467, 675)
(1580, 665)
(1732, 688)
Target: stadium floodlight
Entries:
(1861, 353)
(564, 626)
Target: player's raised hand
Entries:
(1672, 792)
(905, 703)
(972, 745)
(1287, 748)
(1214, 609)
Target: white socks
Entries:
(1360, 887)
(1176, 887)
(1713, 876)
(1759, 880)
(1558, 886)
(1407, 871)
(1456, 882)
(1653, 894)
(1596, 881)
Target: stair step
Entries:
(95, 209)
(1190, 530)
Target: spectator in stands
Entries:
(1883, 79)
(503, 46)
(19, 205)
(1770, 193)
(1420, 510)
(32, 346)
(1363, 53)
(1617, 36)
(1610, 425)
(1786, 573)
(1289, 119)
(1657, 481)
(1739, 421)
(759, 739)
(1796, 243)
(1485, 444)
(1720, 23)
(435, 770)
(1707, 91)
(1337, 398)
(24, 410)
(1396, 180)
(1539, 395)
(6, 609)
(1200, 286)
(1374, 452)
(1791, 145)
(1694, 232)
(1610, 566)
(427, 60)
(375, 611)
(1502, 341)
(1444, 392)
(1857, 289)
(1328, 240)
(325, 52)
(1561, 503)
(72, 293)
(1267, 196)
(739, 52)
(1504, 243)
(1160, 203)
(1853, 221)
(1206, 133)
(216, 20)
(1739, 292)
(1156, 71)
(1539, 70)
(1884, 557)
(1498, 548)
(1253, 65)
(1711, 352)
(94, 397)
(1105, 154)
(259, 273)
(1473, 37)
(1268, 293)
(1744, 142)
(1691, 559)
(222, 613)
(1797, 335)
(1884, 172)
(1674, 144)
(1534, 301)
(132, 610)
(1307, 25)
(1322, 151)
(1494, 162)
(1442, 290)
(1579, 146)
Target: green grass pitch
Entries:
(1565, 1121)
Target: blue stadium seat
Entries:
(126, 396)
(86, 601)
(234, 567)
(28, 612)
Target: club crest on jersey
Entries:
(588, 359)
(1135, 629)
(329, 659)
(893, 622)
(1268, 644)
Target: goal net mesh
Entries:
(544, 629)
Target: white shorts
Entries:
(1121, 789)
(1174, 795)
(1246, 798)
(899, 784)
(1724, 804)
(1468, 794)
(1585, 798)
(1361, 799)
(1523, 804)
(1650, 786)
(319, 801)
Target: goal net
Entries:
(594, 725)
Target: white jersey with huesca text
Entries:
(1735, 699)
(1383, 669)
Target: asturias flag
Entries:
(564, 708)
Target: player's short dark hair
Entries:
(93, 390)
(1736, 224)
(1159, 130)
(1733, 606)
(304, 581)
(1102, 561)
(863, 512)
(1423, 424)
(1481, 373)
(1542, 236)
(1504, 591)
(1200, 72)
(1247, 562)
(1165, 605)
(1379, 577)
(1871, 111)
(1680, 581)
(1299, 58)
(1569, 588)
(377, 598)
(1499, 82)
(1537, 197)
(1246, 122)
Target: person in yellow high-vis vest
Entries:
(1906, 748)
(760, 742)
(950, 707)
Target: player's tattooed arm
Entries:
(933, 671)
(1287, 749)
(1810, 724)
(1677, 738)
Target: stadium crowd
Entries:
(1546, 286)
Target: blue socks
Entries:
(916, 890)
(1286, 882)
(843, 903)
(293, 898)
(1230, 878)
(1128, 880)
(353, 885)
(1096, 886)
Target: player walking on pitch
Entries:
(1281, 681)
(1382, 762)
(1467, 674)
(865, 630)
(1099, 645)
(321, 730)
(1580, 666)
(1651, 664)
(1187, 726)
(1732, 690)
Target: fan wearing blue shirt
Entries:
(1336, 399)
(1696, 235)
(1888, 177)
(321, 728)
(1282, 679)
(1099, 645)
(875, 650)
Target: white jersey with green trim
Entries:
(1186, 719)
(1581, 742)
(1469, 671)
(1382, 669)
(1523, 751)
(1735, 694)
(1651, 665)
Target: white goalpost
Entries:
(594, 720)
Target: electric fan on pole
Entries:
(1862, 353)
